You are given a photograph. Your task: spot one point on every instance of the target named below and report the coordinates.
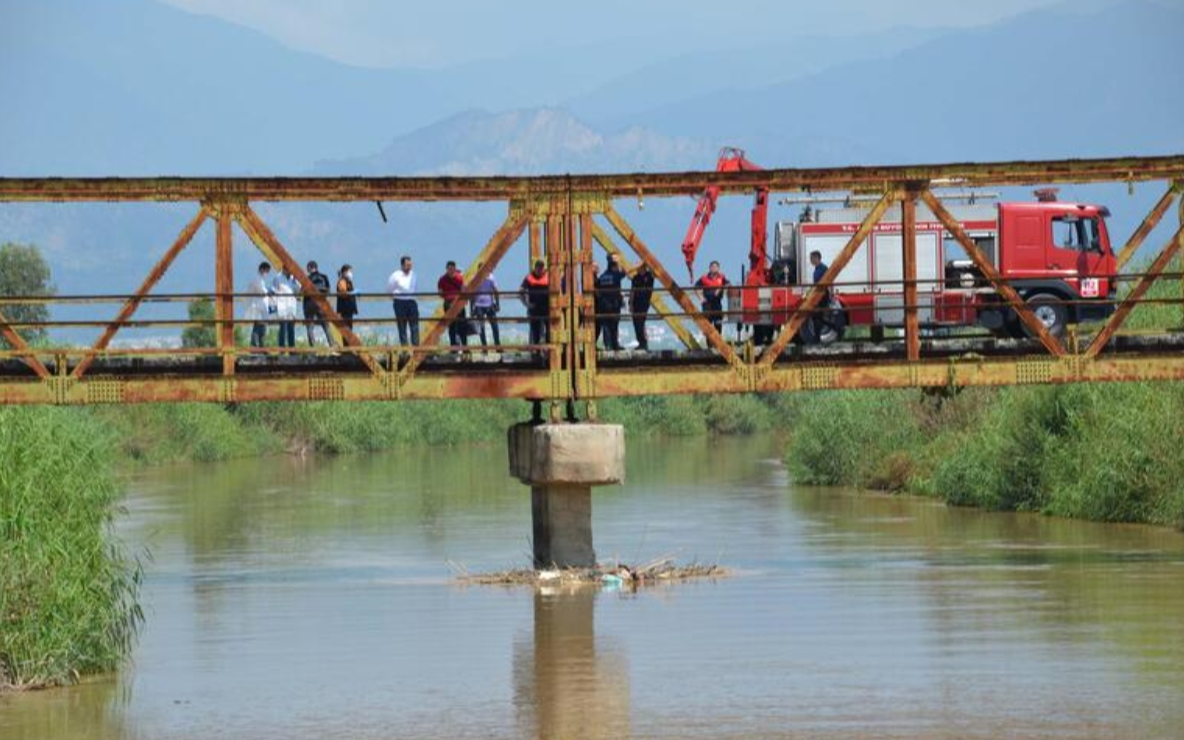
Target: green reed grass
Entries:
(68, 589)
(1095, 451)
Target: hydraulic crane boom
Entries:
(731, 159)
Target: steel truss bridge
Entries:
(564, 219)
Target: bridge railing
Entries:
(563, 221)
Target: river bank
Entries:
(1105, 452)
(154, 434)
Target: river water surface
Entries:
(309, 598)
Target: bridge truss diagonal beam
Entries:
(1150, 222)
(713, 337)
(263, 238)
(1022, 309)
(489, 257)
(18, 343)
(1120, 315)
(659, 303)
(154, 276)
(805, 310)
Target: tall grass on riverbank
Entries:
(67, 589)
(153, 434)
(1103, 451)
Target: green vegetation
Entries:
(206, 335)
(67, 590)
(153, 434)
(24, 272)
(1107, 452)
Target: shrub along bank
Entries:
(1108, 452)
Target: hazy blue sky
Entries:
(437, 33)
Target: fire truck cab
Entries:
(1056, 255)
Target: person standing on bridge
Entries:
(284, 288)
(641, 290)
(347, 297)
(819, 316)
(609, 302)
(486, 304)
(711, 290)
(403, 285)
(449, 286)
(262, 307)
(312, 310)
(536, 294)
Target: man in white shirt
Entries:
(403, 285)
(261, 307)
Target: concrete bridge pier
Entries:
(561, 463)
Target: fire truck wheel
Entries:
(1050, 310)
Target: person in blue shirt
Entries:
(818, 318)
(820, 267)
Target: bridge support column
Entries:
(561, 463)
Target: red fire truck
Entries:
(1056, 255)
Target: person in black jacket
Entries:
(641, 289)
(609, 302)
(312, 310)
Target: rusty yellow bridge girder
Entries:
(1119, 169)
(559, 219)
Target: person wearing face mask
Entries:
(284, 288)
(347, 299)
(262, 306)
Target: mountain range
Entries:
(132, 87)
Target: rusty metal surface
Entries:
(561, 213)
(1128, 304)
(676, 292)
(1120, 169)
(908, 209)
(1150, 222)
(1022, 310)
(534, 384)
(819, 289)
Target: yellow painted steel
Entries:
(559, 213)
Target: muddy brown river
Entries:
(310, 598)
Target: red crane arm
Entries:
(731, 159)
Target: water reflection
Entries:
(568, 683)
(93, 710)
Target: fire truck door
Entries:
(1075, 253)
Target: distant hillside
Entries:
(615, 104)
(528, 142)
(1046, 85)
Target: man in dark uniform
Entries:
(640, 294)
(609, 302)
(818, 318)
(312, 311)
